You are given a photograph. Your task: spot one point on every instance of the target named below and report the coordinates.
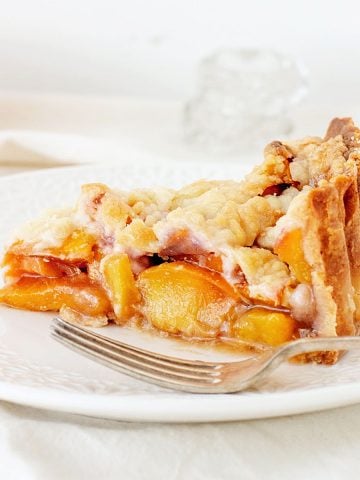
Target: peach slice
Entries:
(264, 326)
(43, 294)
(214, 262)
(210, 261)
(78, 246)
(289, 249)
(182, 298)
(120, 283)
(18, 265)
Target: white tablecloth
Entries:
(42, 445)
(37, 444)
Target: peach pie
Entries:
(264, 260)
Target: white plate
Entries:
(37, 371)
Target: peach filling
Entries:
(43, 294)
(182, 298)
(289, 249)
(179, 298)
(264, 326)
(23, 265)
(79, 245)
(120, 284)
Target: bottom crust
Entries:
(321, 357)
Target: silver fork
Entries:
(189, 375)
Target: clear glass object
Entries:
(244, 99)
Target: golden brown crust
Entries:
(320, 357)
(349, 203)
(349, 193)
(319, 213)
(331, 260)
(339, 126)
(325, 247)
(350, 133)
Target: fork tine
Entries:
(135, 361)
(139, 371)
(128, 370)
(129, 349)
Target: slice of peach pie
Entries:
(264, 260)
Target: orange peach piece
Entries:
(182, 298)
(289, 249)
(214, 262)
(50, 294)
(18, 265)
(120, 283)
(264, 326)
(210, 261)
(78, 246)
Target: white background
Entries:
(150, 48)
